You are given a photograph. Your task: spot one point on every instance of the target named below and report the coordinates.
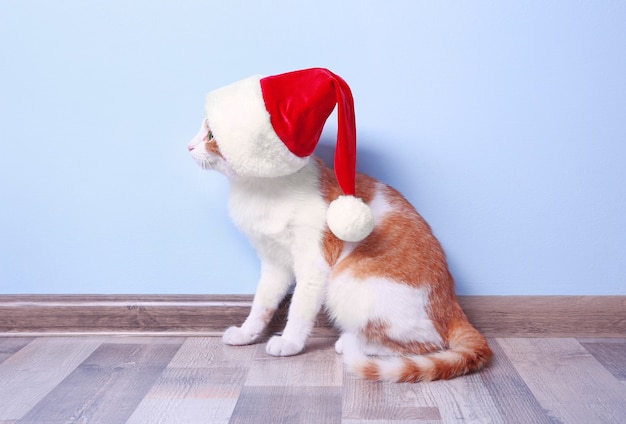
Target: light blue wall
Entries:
(504, 122)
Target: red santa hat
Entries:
(270, 126)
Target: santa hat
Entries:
(270, 126)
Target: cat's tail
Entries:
(468, 351)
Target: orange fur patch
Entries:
(331, 247)
(411, 372)
(468, 341)
(403, 248)
(401, 235)
(469, 352)
(370, 371)
(212, 147)
(383, 252)
(443, 369)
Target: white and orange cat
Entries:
(391, 295)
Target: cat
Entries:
(391, 295)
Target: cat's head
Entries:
(206, 152)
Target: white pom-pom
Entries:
(349, 218)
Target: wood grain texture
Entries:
(10, 345)
(31, 373)
(191, 395)
(370, 400)
(107, 387)
(288, 405)
(611, 353)
(494, 316)
(105, 313)
(567, 381)
(201, 384)
(511, 395)
(466, 397)
(210, 352)
(195, 379)
(318, 365)
(547, 316)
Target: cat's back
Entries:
(401, 247)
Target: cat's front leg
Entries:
(311, 276)
(273, 285)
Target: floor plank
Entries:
(372, 401)
(567, 381)
(464, 399)
(512, 397)
(202, 393)
(210, 352)
(168, 380)
(10, 345)
(107, 387)
(30, 374)
(289, 405)
(191, 395)
(318, 365)
(611, 353)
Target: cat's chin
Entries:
(217, 166)
(208, 166)
(205, 163)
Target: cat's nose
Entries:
(190, 148)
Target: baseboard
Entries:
(494, 316)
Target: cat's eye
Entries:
(209, 135)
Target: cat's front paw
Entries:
(279, 346)
(236, 336)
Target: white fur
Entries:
(285, 218)
(379, 205)
(388, 369)
(244, 132)
(353, 303)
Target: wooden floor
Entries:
(132, 379)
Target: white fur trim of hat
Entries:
(243, 130)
